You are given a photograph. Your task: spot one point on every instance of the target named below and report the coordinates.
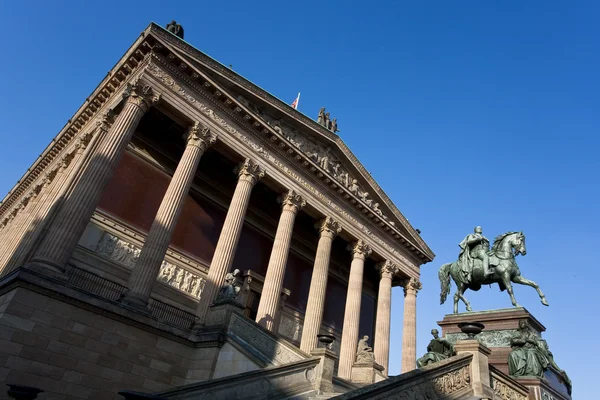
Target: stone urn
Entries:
(326, 339)
(471, 328)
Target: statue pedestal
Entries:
(220, 313)
(324, 371)
(500, 326)
(367, 373)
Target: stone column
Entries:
(143, 276)
(269, 298)
(248, 174)
(409, 329)
(360, 251)
(384, 314)
(55, 184)
(70, 221)
(318, 285)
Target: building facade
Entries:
(176, 171)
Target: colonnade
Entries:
(71, 218)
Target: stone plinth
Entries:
(219, 314)
(500, 326)
(540, 389)
(367, 373)
(324, 371)
(480, 372)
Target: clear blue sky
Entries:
(466, 112)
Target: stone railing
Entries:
(506, 388)
(284, 381)
(449, 378)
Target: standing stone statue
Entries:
(438, 349)
(175, 29)
(327, 121)
(229, 291)
(321, 117)
(527, 357)
(364, 353)
(475, 246)
(334, 125)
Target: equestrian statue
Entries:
(478, 265)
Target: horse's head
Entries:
(519, 244)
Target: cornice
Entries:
(162, 35)
(87, 112)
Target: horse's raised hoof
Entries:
(544, 302)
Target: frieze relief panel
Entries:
(168, 80)
(505, 392)
(126, 254)
(500, 338)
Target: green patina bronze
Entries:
(478, 265)
(437, 350)
(531, 356)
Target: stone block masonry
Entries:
(73, 353)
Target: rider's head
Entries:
(435, 333)
(478, 229)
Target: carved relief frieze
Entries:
(498, 338)
(165, 77)
(453, 381)
(505, 392)
(126, 254)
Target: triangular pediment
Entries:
(329, 154)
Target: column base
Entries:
(46, 268)
(135, 302)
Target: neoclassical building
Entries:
(174, 172)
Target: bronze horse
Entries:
(506, 270)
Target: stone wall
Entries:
(71, 352)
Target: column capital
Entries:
(199, 136)
(104, 122)
(360, 249)
(140, 95)
(328, 227)
(292, 201)
(250, 171)
(387, 269)
(411, 286)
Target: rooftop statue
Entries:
(175, 29)
(325, 120)
(437, 350)
(478, 265)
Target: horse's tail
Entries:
(444, 275)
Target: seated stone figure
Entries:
(230, 289)
(437, 350)
(364, 353)
(528, 357)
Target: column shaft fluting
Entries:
(318, 285)
(143, 276)
(384, 313)
(248, 174)
(269, 298)
(56, 182)
(350, 328)
(409, 328)
(70, 221)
